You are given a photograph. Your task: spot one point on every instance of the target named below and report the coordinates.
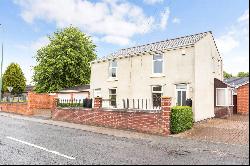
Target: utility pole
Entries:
(1, 76)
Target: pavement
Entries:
(26, 140)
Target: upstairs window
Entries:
(113, 69)
(157, 64)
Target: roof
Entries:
(237, 81)
(80, 88)
(29, 88)
(158, 46)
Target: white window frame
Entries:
(162, 60)
(159, 92)
(98, 89)
(226, 95)
(112, 67)
(181, 90)
(113, 95)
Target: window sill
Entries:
(112, 79)
(157, 75)
(224, 105)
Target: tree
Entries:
(64, 62)
(227, 75)
(14, 77)
(243, 74)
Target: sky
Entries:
(117, 24)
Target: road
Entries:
(27, 142)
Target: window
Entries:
(224, 97)
(157, 64)
(112, 97)
(97, 92)
(113, 69)
(181, 90)
(156, 95)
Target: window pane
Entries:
(183, 98)
(157, 99)
(221, 98)
(113, 63)
(112, 91)
(157, 57)
(158, 66)
(181, 86)
(112, 97)
(157, 88)
(179, 98)
(97, 93)
(113, 72)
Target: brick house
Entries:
(181, 68)
(241, 94)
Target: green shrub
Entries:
(181, 119)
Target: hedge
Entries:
(181, 119)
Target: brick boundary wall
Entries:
(153, 123)
(243, 100)
(36, 102)
(17, 108)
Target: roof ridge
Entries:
(165, 40)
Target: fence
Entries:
(15, 98)
(139, 104)
(85, 103)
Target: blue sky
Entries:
(116, 24)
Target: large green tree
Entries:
(14, 77)
(243, 74)
(65, 61)
(227, 75)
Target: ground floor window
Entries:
(181, 90)
(97, 92)
(156, 95)
(224, 97)
(112, 97)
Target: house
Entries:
(241, 94)
(78, 92)
(182, 68)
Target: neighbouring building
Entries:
(182, 68)
(241, 94)
(77, 92)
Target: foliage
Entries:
(14, 77)
(64, 62)
(181, 119)
(243, 74)
(227, 75)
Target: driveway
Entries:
(232, 130)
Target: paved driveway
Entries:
(233, 130)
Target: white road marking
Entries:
(39, 147)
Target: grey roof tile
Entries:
(158, 46)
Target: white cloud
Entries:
(151, 2)
(176, 20)
(227, 43)
(234, 45)
(116, 19)
(244, 17)
(164, 18)
(34, 45)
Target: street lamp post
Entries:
(1, 74)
